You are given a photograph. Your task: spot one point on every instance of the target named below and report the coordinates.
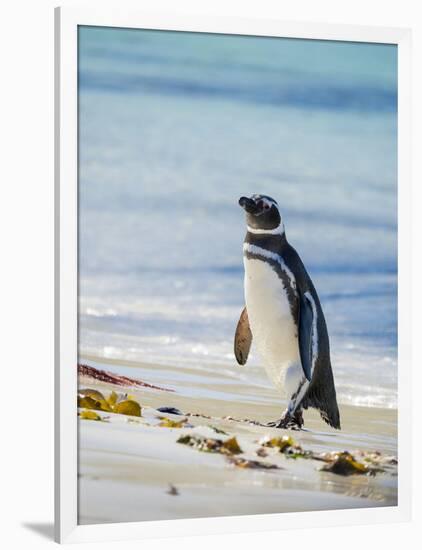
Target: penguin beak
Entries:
(248, 205)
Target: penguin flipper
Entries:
(307, 334)
(242, 338)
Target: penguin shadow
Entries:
(314, 433)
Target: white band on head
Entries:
(279, 230)
(264, 200)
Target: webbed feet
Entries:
(289, 421)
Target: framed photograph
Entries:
(232, 275)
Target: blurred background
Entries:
(173, 129)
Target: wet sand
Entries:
(127, 466)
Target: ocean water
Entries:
(173, 129)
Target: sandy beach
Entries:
(133, 469)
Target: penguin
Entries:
(284, 318)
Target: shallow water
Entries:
(173, 129)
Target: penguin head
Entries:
(262, 214)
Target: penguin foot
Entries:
(289, 421)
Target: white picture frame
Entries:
(67, 21)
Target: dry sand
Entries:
(127, 465)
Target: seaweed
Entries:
(252, 464)
(376, 458)
(129, 407)
(89, 392)
(217, 430)
(245, 420)
(340, 463)
(345, 464)
(119, 404)
(90, 415)
(281, 443)
(210, 445)
(232, 446)
(116, 379)
(169, 423)
(199, 415)
(286, 445)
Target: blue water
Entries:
(174, 127)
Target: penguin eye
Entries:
(266, 207)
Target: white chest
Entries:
(273, 328)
